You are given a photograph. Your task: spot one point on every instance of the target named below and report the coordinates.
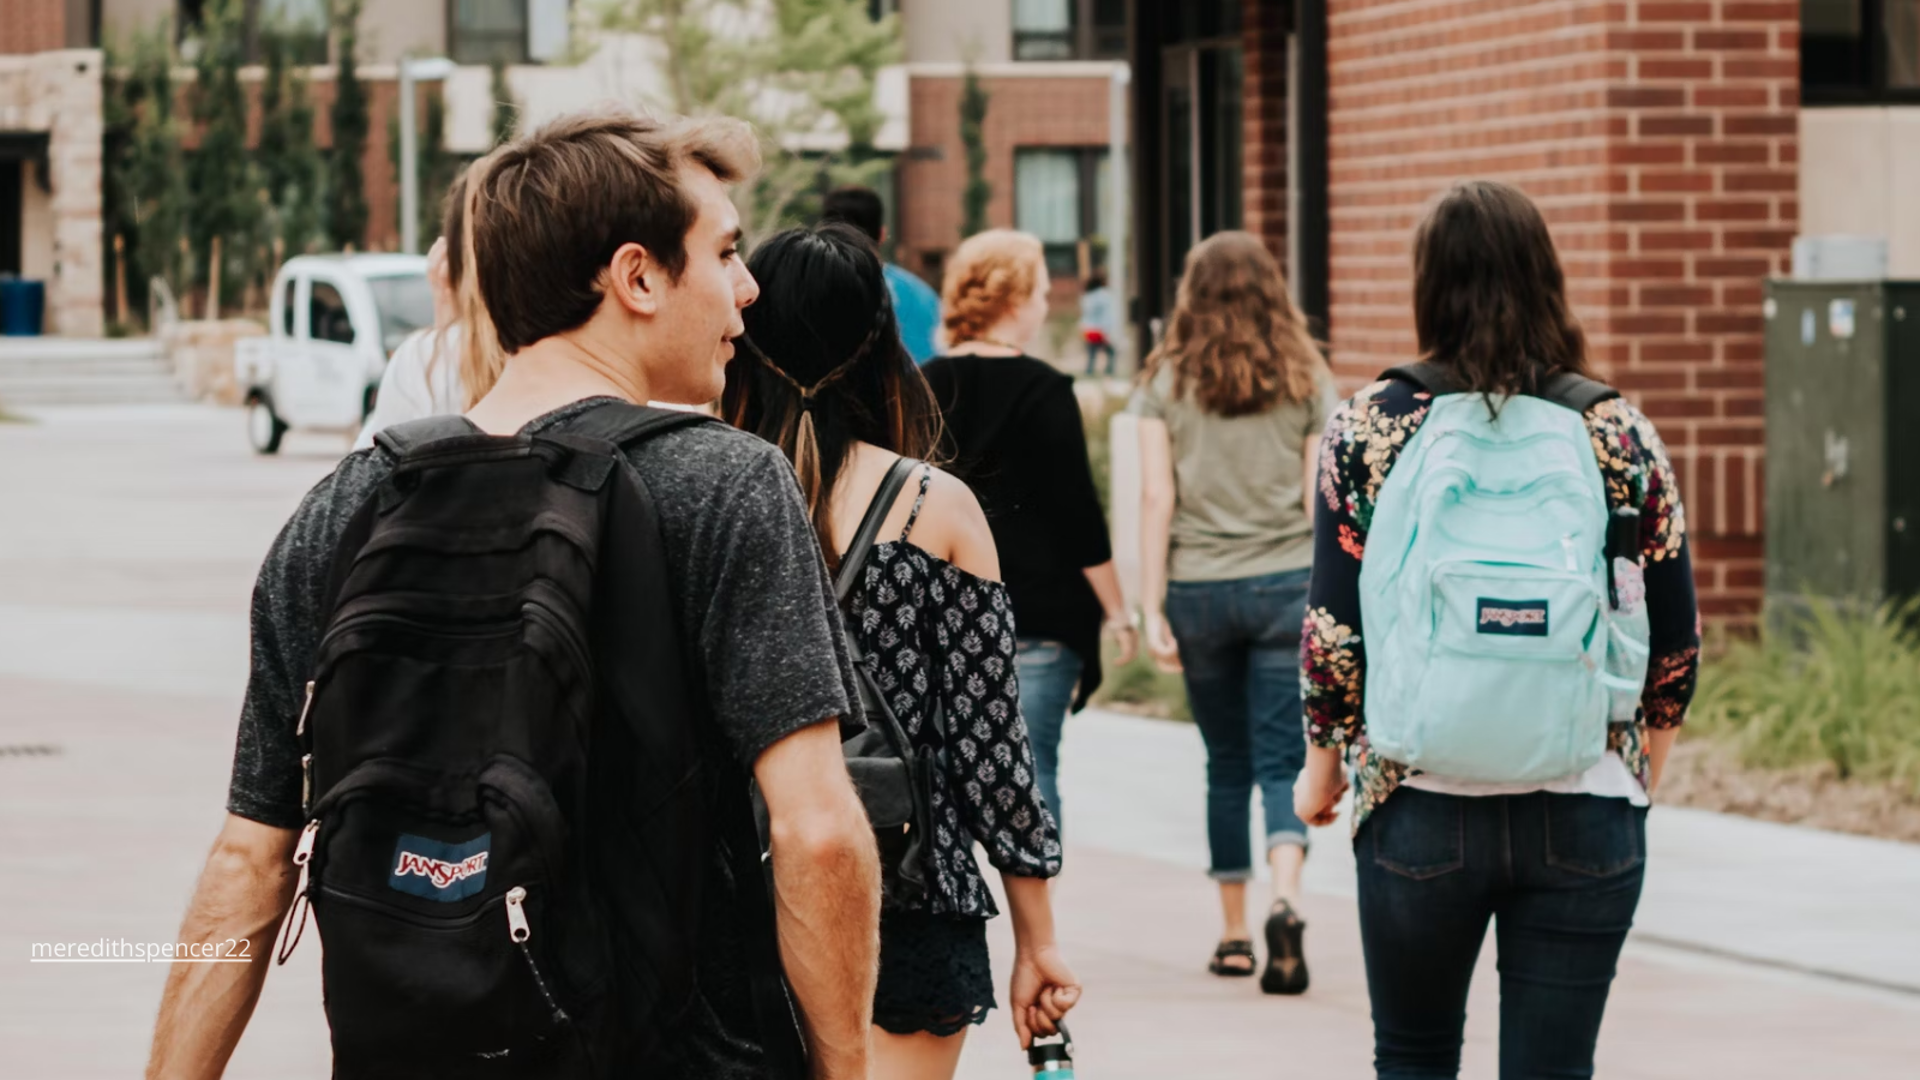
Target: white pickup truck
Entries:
(336, 319)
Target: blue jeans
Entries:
(1049, 674)
(1559, 876)
(1240, 645)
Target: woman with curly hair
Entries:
(1231, 404)
(1015, 435)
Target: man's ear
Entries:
(634, 279)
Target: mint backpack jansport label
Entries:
(1495, 650)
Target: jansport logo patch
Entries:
(437, 870)
(1519, 618)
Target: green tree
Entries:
(346, 184)
(506, 108)
(289, 162)
(223, 200)
(973, 122)
(143, 192)
(802, 71)
(433, 167)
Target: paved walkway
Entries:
(127, 550)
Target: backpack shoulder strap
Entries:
(1576, 392)
(863, 538)
(405, 438)
(1428, 376)
(623, 424)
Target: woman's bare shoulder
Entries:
(953, 527)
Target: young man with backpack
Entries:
(1501, 639)
(513, 672)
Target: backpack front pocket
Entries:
(1511, 691)
(430, 894)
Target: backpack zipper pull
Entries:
(306, 782)
(291, 933)
(517, 927)
(305, 707)
(1567, 546)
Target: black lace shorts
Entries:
(935, 975)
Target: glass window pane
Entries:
(1055, 15)
(1833, 45)
(486, 29)
(1902, 21)
(1046, 194)
(327, 318)
(404, 303)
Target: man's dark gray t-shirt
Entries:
(755, 608)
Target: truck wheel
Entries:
(264, 428)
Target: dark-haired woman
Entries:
(1232, 403)
(1556, 864)
(823, 374)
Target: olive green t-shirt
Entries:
(1238, 482)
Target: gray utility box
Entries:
(1843, 440)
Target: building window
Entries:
(1059, 195)
(483, 31)
(1854, 51)
(1069, 29)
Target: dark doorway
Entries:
(12, 208)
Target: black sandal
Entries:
(1286, 971)
(1230, 950)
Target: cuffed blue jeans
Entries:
(1240, 645)
(1558, 875)
(1049, 675)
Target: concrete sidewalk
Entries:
(1798, 899)
(127, 553)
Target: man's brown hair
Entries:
(547, 212)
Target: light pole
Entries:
(1119, 202)
(438, 67)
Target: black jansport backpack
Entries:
(511, 800)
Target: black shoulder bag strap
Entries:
(869, 531)
(1576, 392)
(405, 438)
(1428, 376)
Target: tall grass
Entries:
(1839, 687)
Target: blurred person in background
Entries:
(1099, 322)
(1015, 435)
(1231, 404)
(916, 306)
(822, 374)
(429, 373)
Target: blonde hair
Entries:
(1235, 337)
(990, 275)
(559, 202)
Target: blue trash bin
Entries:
(22, 305)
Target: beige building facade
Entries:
(50, 131)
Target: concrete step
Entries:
(130, 389)
(54, 348)
(85, 371)
(17, 368)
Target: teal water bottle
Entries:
(1053, 1059)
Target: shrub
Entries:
(1839, 687)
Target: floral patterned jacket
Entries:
(1363, 439)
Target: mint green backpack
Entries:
(1495, 650)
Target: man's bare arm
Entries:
(243, 891)
(826, 884)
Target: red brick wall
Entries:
(1658, 137)
(32, 26)
(1264, 52)
(1021, 111)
